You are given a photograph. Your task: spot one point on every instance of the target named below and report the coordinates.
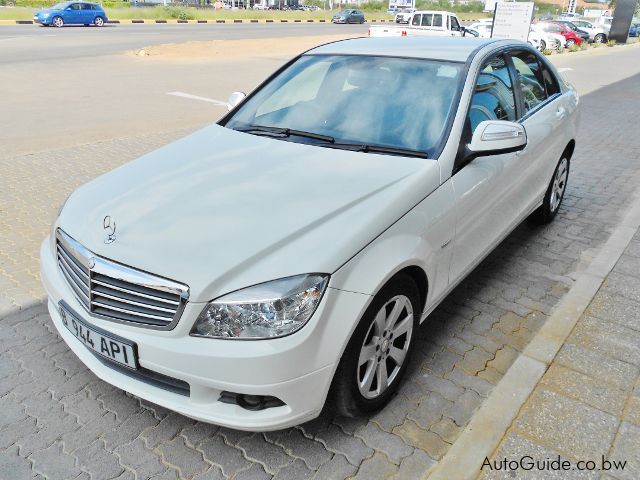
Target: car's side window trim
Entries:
(521, 114)
(458, 164)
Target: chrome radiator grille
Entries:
(116, 292)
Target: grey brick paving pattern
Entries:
(587, 405)
(59, 421)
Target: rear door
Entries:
(543, 116)
(439, 25)
(87, 12)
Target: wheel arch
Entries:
(569, 149)
(419, 276)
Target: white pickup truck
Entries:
(422, 23)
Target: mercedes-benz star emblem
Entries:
(109, 225)
(91, 263)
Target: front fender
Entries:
(421, 238)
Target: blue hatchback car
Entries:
(71, 13)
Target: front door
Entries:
(487, 203)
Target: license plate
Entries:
(107, 345)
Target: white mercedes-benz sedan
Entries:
(285, 256)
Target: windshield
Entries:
(401, 103)
(60, 6)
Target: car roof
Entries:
(434, 48)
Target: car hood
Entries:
(221, 210)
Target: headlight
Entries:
(269, 310)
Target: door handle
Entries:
(560, 112)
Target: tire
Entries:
(555, 193)
(98, 22)
(600, 38)
(570, 43)
(543, 45)
(57, 22)
(391, 321)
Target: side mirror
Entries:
(493, 137)
(234, 99)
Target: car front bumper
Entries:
(296, 369)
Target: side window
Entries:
(416, 20)
(550, 80)
(87, 6)
(427, 19)
(74, 6)
(493, 97)
(437, 20)
(530, 79)
(455, 26)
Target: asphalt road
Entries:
(33, 43)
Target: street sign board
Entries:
(512, 20)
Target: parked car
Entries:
(557, 28)
(349, 16)
(569, 16)
(260, 6)
(584, 35)
(430, 23)
(545, 40)
(71, 13)
(312, 230)
(483, 29)
(597, 34)
(404, 15)
(634, 30)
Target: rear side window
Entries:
(427, 19)
(86, 6)
(437, 20)
(536, 82)
(493, 97)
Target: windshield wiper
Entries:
(359, 147)
(280, 132)
(330, 142)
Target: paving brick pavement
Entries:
(586, 407)
(62, 422)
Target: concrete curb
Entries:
(489, 424)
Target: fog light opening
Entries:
(250, 402)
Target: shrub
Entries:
(547, 51)
(611, 43)
(574, 48)
(181, 13)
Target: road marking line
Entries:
(196, 97)
(565, 69)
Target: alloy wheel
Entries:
(559, 184)
(99, 21)
(385, 347)
(58, 22)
